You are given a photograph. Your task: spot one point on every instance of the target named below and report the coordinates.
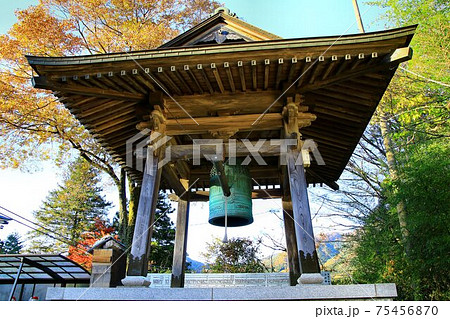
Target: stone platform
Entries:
(300, 292)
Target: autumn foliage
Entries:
(31, 120)
(79, 252)
(34, 125)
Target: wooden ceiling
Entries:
(227, 86)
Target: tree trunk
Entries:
(132, 210)
(123, 210)
(392, 167)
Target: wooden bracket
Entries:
(156, 123)
(223, 135)
(292, 111)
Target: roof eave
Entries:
(226, 48)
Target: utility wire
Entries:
(36, 224)
(427, 79)
(47, 234)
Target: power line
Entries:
(38, 225)
(44, 233)
(425, 78)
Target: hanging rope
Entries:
(225, 237)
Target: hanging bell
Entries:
(239, 203)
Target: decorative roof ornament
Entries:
(224, 10)
(220, 36)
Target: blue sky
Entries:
(23, 192)
(286, 18)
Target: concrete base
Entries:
(310, 279)
(300, 292)
(136, 281)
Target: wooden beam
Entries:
(271, 121)
(42, 83)
(140, 248)
(344, 64)
(304, 71)
(131, 78)
(359, 59)
(120, 78)
(308, 260)
(93, 105)
(170, 174)
(111, 117)
(226, 65)
(231, 103)
(254, 75)
(159, 84)
(330, 67)
(104, 110)
(179, 251)
(205, 77)
(266, 73)
(95, 79)
(216, 74)
(313, 71)
(242, 75)
(145, 79)
(191, 75)
(113, 129)
(279, 72)
(180, 78)
(76, 101)
(185, 152)
(167, 78)
(398, 56)
(291, 242)
(292, 71)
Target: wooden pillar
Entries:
(291, 242)
(179, 253)
(308, 260)
(140, 248)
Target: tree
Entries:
(423, 187)
(70, 210)
(391, 191)
(414, 110)
(163, 237)
(238, 255)
(33, 121)
(12, 245)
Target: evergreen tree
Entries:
(69, 210)
(238, 255)
(12, 245)
(163, 237)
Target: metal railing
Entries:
(205, 280)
